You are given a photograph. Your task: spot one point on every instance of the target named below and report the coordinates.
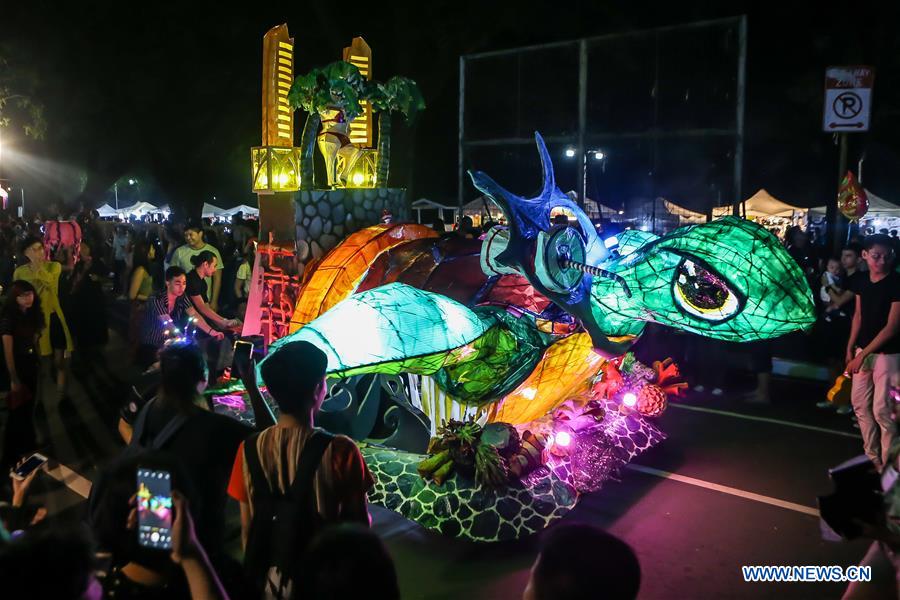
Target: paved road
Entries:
(692, 538)
(743, 484)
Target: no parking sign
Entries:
(848, 98)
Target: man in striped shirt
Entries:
(167, 316)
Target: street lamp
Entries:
(131, 181)
(598, 155)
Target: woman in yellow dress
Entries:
(43, 274)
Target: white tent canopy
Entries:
(138, 209)
(658, 215)
(878, 206)
(762, 204)
(211, 210)
(107, 211)
(425, 204)
(685, 215)
(248, 211)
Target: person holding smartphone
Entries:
(206, 442)
(140, 569)
(21, 323)
(16, 517)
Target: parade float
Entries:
(490, 382)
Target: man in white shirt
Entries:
(193, 235)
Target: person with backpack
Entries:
(178, 422)
(292, 479)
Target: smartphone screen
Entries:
(154, 506)
(34, 461)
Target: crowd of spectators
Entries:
(300, 492)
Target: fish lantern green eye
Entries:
(702, 293)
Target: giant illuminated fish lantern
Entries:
(517, 323)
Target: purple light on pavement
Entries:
(235, 401)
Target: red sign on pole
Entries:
(848, 98)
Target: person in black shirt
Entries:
(217, 352)
(797, 245)
(85, 303)
(205, 264)
(205, 444)
(851, 263)
(873, 350)
(21, 320)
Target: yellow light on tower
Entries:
(359, 54)
(275, 164)
(361, 170)
(275, 169)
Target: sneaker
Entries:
(699, 388)
(717, 392)
(824, 404)
(844, 410)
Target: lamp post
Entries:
(598, 155)
(131, 181)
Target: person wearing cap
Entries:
(873, 350)
(295, 377)
(195, 244)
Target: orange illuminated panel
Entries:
(342, 268)
(566, 371)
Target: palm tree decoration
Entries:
(337, 86)
(398, 94)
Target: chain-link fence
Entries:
(628, 118)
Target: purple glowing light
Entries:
(629, 399)
(235, 401)
(563, 439)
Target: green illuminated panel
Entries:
(397, 327)
(730, 279)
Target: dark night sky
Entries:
(172, 94)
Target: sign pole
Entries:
(848, 105)
(838, 224)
